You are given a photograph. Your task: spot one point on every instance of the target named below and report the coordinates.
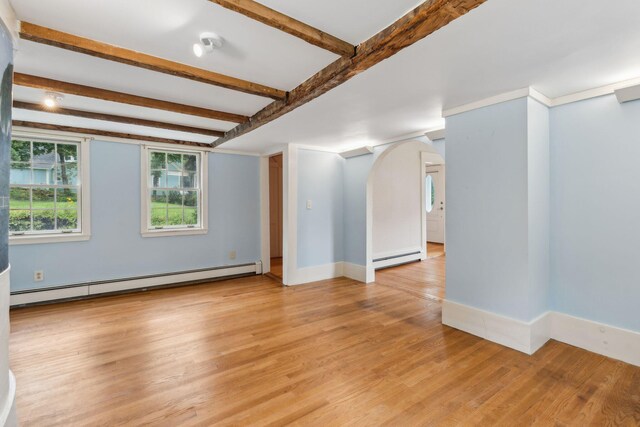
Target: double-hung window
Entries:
(47, 190)
(174, 184)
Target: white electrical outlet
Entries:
(38, 276)
(309, 205)
(232, 255)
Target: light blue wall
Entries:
(321, 229)
(538, 165)
(356, 173)
(595, 206)
(439, 146)
(117, 250)
(486, 184)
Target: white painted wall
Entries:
(396, 201)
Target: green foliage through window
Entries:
(174, 189)
(44, 187)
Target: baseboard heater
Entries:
(393, 260)
(140, 283)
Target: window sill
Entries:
(174, 232)
(41, 239)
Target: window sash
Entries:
(196, 188)
(55, 187)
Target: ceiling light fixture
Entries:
(51, 99)
(208, 43)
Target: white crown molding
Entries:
(594, 93)
(628, 94)
(219, 150)
(492, 100)
(317, 148)
(540, 97)
(357, 152)
(435, 135)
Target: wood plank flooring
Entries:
(250, 352)
(424, 279)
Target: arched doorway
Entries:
(397, 196)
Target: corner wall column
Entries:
(498, 223)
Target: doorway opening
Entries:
(406, 189)
(276, 214)
(435, 209)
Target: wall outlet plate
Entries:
(38, 276)
(232, 255)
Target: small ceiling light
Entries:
(208, 43)
(51, 99)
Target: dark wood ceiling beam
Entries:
(123, 98)
(280, 21)
(51, 37)
(427, 18)
(115, 118)
(87, 131)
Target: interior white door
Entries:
(435, 206)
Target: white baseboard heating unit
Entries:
(83, 290)
(397, 259)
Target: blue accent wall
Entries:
(320, 229)
(116, 248)
(6, 79)
(595, 206)
(356, 173)
(486, 227)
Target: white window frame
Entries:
(145, 227)
(84, 194)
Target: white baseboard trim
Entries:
(526, 337)
(97, 288)
(355, 272)
(529, 337)
(610, 341)
(316, 273)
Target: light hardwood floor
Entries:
(250, 352)
(276, 267)
(424, 279)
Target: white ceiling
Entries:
(353, 21)
(556, 47)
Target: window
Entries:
(173, 192)
(46, 189)
(431, 193)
